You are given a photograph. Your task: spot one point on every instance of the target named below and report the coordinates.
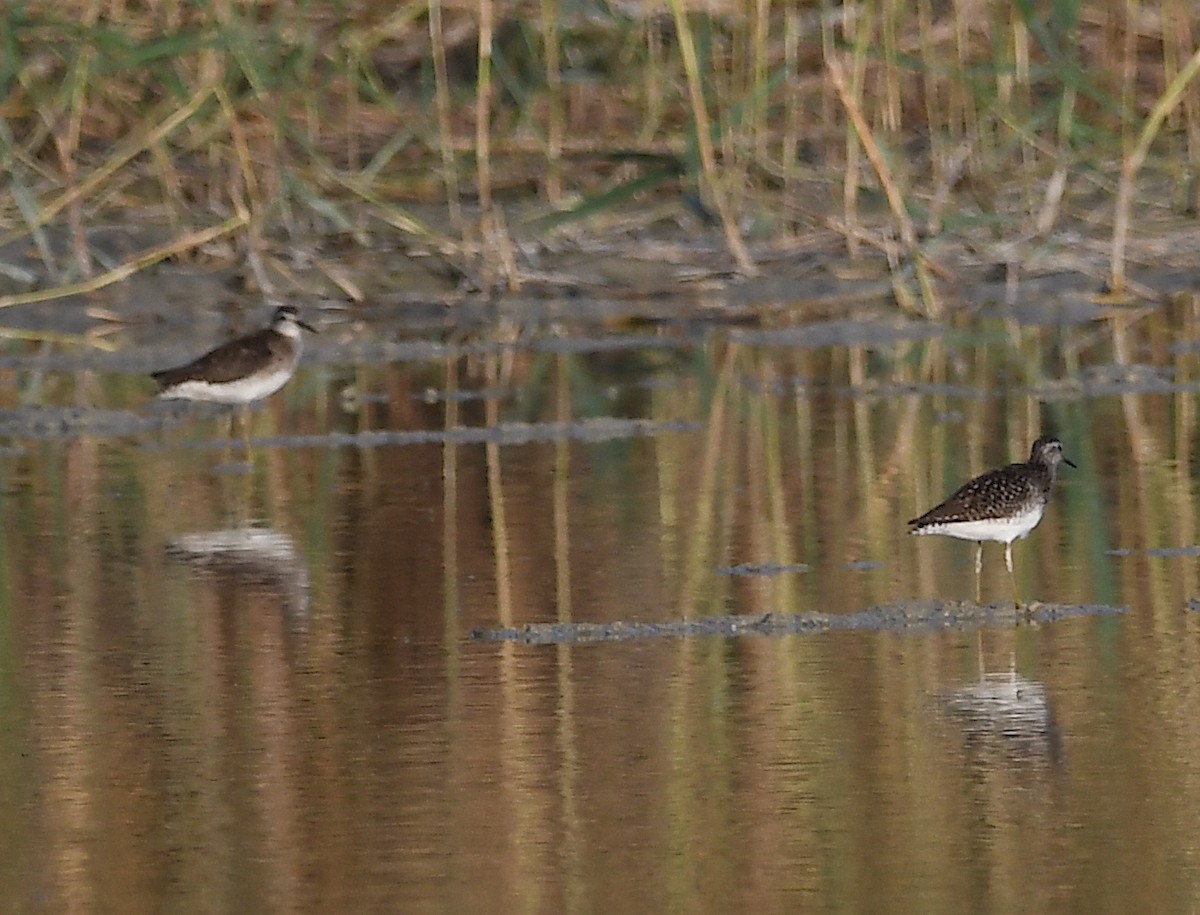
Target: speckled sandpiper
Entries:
(244, 369)
(1000, 505)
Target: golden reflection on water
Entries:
(189, 729)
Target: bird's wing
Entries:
(974, 498)
(226, 363)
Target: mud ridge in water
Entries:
(752, 569)
(902, 616)
(70, 422)
(516, 433)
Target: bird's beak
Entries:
(1070, 463)
(312, 330)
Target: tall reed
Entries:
(321, 117)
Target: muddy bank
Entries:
(915, 616)
(398, 301)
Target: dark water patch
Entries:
(374, 351)
(588, 430)
(180, 409)
(434, 395)
(889, 389)
(807, 287)
(763, 569)
(1107, 381)
(1123, 379)
(900, 617)
(780, 387)
(377, 351)
(479, 395)
(608, 344)
(1130, 373)
(865, 332)
(233, 469)
(71, 422)
(1157, 552)
(1032, 309)
(1097, 381)
(366, 349)
(949, 417)
(1057, 389)
(74, 361)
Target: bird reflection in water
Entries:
(249, 555)
(1009, 714)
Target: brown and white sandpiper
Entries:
(1002, 505)
(242, 370)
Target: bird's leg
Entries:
(978, 570)
(1012, 579)
(225, 426)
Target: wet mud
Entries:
(915, 616)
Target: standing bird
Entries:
(1000, 505)
(244, 369)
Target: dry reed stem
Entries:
(562, 490)
(1132, 163)
(483, 109)
(115, 162)
(762, 66)
(708, 159)
(1055, 187)
(68, 145)
(863, 131)
(653, 82)
(441, 80)
(27, 205)
(496, 501)
(241, 149)
(130, 267)
(450, 499)
(895, 201)
(791, 134)
(850, 178)
(554, 113)
(393, 215)
(47, 336)
(946, 177)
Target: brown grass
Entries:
(773, 119)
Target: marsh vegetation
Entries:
(489, 136)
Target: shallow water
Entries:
(231, 685)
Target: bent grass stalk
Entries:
(704, 144)
(1132, 165)
(554, 104)
(131, 266)
(483, 110)
(67, 144)
(114, 163)
(441, 90)
(895, 201)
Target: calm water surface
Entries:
(230, 688)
